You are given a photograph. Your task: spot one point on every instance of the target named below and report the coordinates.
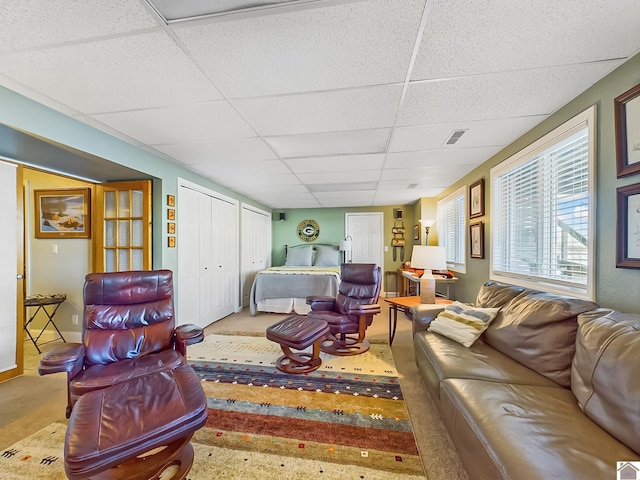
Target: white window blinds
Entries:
(451, 229)
(542, 209)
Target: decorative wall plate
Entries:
(308, 230)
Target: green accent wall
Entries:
(616, 288)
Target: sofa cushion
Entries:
(494, 294)
(439, 358)
(527, 432)
(462, 323)
(605, 374)
(538, 329)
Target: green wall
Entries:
(615, 287)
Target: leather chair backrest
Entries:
(359, 285)
(127, 315)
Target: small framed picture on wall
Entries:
(476, 236)
(476, 199)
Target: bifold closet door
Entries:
(255, 252)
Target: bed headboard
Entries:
(312, 255)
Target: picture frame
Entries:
(171, 200)
(62, 213)
(171, 214)
(628, 227)
(171, 242)
(476, 199)
(416, 233)
(171, 228)
(626, 108)
(476, 239)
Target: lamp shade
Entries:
(345, 245)
(428, 258)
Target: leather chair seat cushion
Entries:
(513, 432)
(606, 373)
(117, 423)
(538, 329)
(297, 331)
(338, 322)
(100, 376)
(440, 358)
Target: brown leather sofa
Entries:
(550, 390)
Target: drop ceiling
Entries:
(323, 104)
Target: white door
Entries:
(225, 274)
(188, 285)
(366, 231)
(255, 247)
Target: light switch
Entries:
(54, 248)
(386, 248)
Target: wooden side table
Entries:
(404, 304)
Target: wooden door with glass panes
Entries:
(122, 239)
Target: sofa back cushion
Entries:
(605, 373)
(494, 294)
(538, 329)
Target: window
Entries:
(451, 228)
(542, 212)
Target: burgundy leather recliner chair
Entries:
(351, 312)
(128, 331)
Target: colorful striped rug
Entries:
(346, 418)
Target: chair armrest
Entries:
(364, 309)
(63, 358)
(422, 318)
(185, 335)
(321, 302)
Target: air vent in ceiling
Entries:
(454, 137)
(173, 11)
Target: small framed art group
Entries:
(627, 123)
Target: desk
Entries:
(404, 304)
(410, 284)
(42, 301)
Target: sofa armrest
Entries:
(364, 309)
(63, 358)
(187, 334)
(422, 317)
(320, 303)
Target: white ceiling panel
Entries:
(540, 34)
(336, 103)
(444, 157)
(335, 163)
(140, 71)
(331, 143)
(36, 23)
(196, 122)
(345, 45)
(352, 109)
(240, 149)
(497, 132)
(499, 95)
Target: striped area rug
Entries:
(345, 420)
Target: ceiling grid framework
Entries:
(334, 103)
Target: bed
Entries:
(308, 270)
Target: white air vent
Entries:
(454, 137)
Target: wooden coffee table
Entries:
(404, 304)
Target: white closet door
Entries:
(8, 282)
(255, 246)
(225, 258)
(188, 284)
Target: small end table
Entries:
(42, 301)
(404, 304)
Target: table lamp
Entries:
(428, 258)
(345, 246)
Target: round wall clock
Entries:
(308, 230)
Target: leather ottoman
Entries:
(117, 432)
(298, 332)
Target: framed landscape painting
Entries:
(64, 213)
(627, 120)
(628, 228)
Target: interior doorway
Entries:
(366, 232)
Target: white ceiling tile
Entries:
(35, 23)
(477, 36)
(331, 143)
(442, 157)
(437, 177)
(232, 150)
(288, 182)
(345, 45)
(338, 163)
(225, 168)
(340, 177)
(499, 95)
(278, 200)
(139, 71)
(200, 122)
(352, 109)
(500, 132)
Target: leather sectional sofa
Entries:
(550, 390)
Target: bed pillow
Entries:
(463, 323)
(299, 256)
(327, 256)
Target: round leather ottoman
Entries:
(298, 332)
